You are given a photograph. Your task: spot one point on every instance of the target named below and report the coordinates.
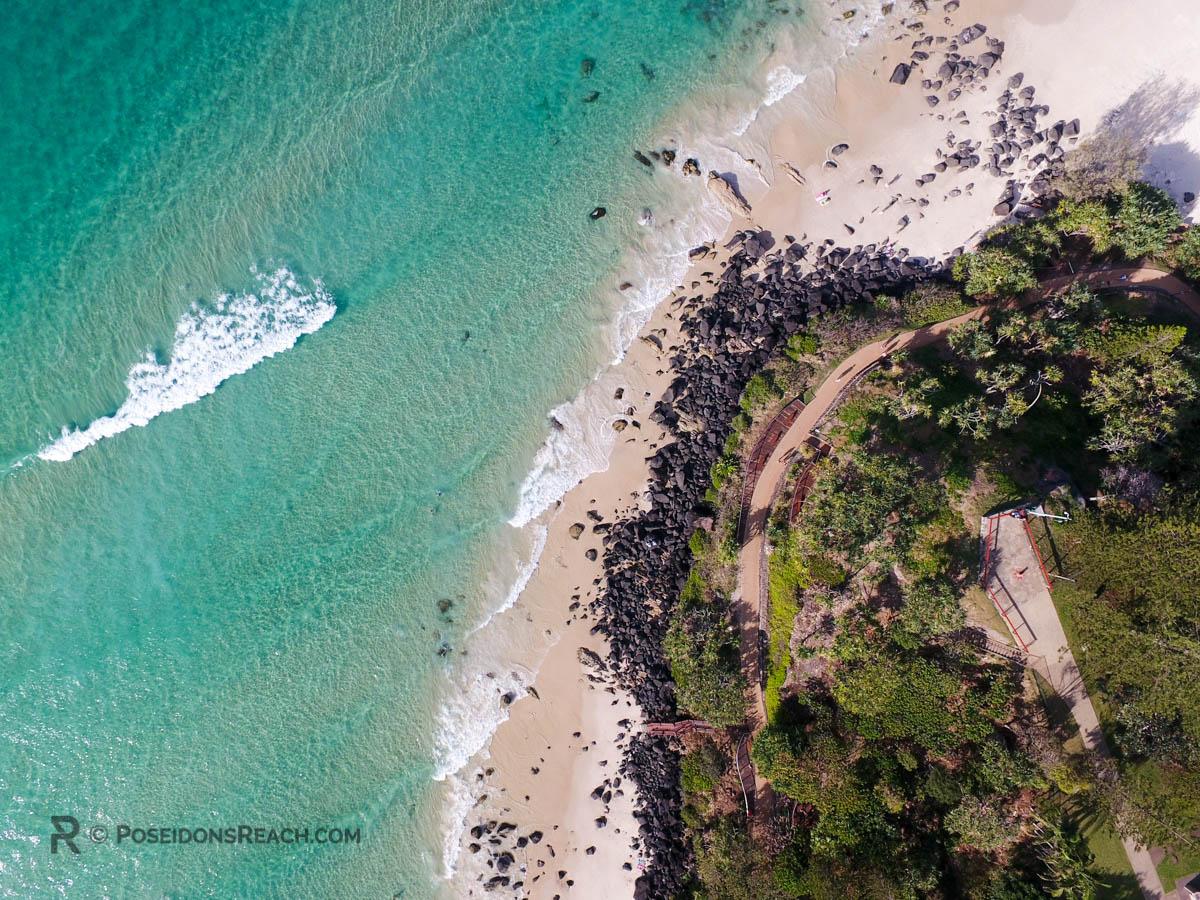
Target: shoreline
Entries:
(891, 126)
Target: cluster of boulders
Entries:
(513, 859)
(1016, 136)
(667, 158)
(497, 839)
(765, 293)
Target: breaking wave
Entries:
(213, 342)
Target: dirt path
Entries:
(750, 601)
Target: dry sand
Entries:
(1086, 60)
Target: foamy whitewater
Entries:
(212, 343)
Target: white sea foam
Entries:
(781, 81)
(458, 805)
(524, 573)
(578, 446)
(466, 722)
(213, 342)
(581, 442)
(471, 710)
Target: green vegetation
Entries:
(1124, 216)
(702, 768)
(1137, 221)
(1185, 255)
(702, 647)
(788, 576)
(906, 763)
(760, 391)
(1103, 165)
(1144, 218)
(993, 272)
(932, 302)
(852, 506)
(1138, 380)
(1132, 613)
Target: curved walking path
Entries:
(751, 599)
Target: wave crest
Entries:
(213, 342)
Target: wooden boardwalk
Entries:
(807, 477)
(763, 449)
(679, 729)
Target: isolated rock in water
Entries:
(643, 158)
(900, 73)
(728, 196)
(598, 213)
(668, 158)
(587, 66)
(691, 167)
(591, 97)
(647, 217)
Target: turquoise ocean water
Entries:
(302, 280)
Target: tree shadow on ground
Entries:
(1153, 116)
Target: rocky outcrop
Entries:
(728, 195)
(764, 294)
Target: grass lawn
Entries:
(1169, 870)
(981, 611)
(1111, 864)
(787, 576)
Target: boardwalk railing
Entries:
(807, 478)
(745, 769)
(843, 391)
(762, 451)
(1006, 607)
(679, 729)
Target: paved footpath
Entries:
(1015, 577)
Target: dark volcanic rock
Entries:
(762, 298)
(900, 73)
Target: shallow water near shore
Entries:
(300, 283)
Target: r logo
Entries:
(65, 830)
